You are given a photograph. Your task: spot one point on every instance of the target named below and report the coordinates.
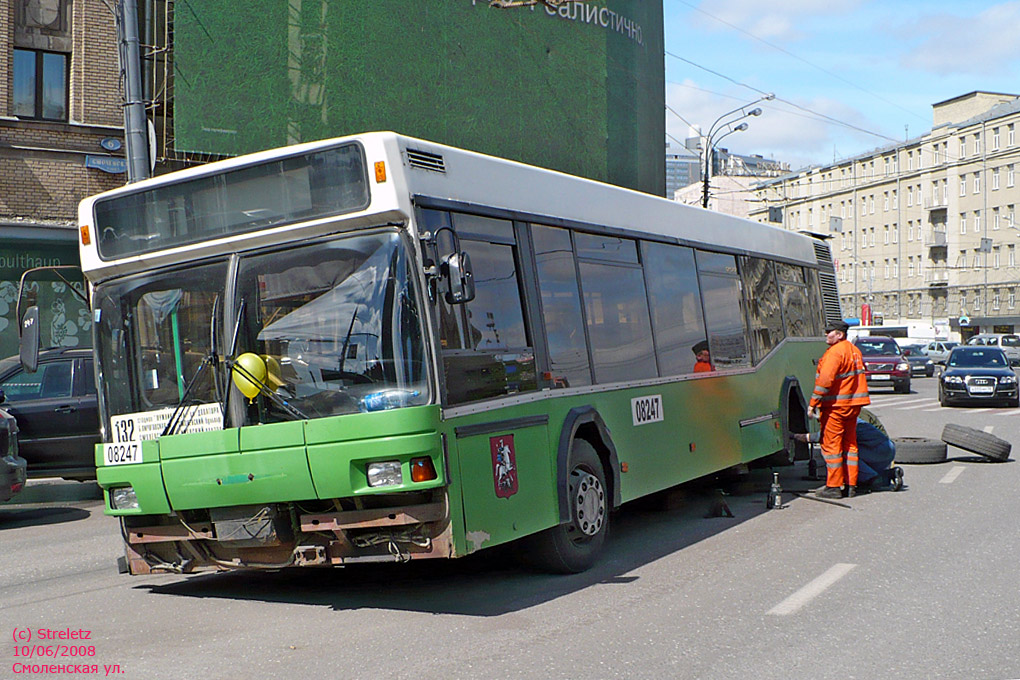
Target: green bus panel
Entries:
(147, 481)
(198, 444)
(218, 480)
(491, 515)
(339, 469)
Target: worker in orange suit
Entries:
(841, 389)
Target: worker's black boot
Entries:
(851, 491)
(830, 492)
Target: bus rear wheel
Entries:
(574, 547)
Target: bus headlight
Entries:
(385, 474)
(124, 498)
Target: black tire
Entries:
(904, 388)
(919, 450)
(575, 546)
(976, 441)
(943, 400)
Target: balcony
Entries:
(936, 278)
(935, 239)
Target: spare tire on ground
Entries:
(982, 443)
(918, 450)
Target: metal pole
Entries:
(136, 129)
(708, 166)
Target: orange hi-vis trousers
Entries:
(839, 443)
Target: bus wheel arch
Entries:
(587, 482)
(794, 419)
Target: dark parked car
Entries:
(12, 466)
(57, 412)
(978, 374)
(920, 363)
(884, 363)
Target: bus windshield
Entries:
(337, 324)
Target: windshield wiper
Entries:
(347, 340)
(210, 359)
(286, 407)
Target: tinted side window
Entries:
(51, 381)
(618, 326)
(761, 295)
(561, 307)
(801, 301)
(675, 301)
(487, 350)
(724, 315)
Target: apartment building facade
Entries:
(924, 230)
(61, 139)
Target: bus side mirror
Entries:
(30, 339)
(460, 281)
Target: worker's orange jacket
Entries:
(840, 378)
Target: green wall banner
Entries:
(578, 88)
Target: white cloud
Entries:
(781, 132)
(779, 20)
(986, 43)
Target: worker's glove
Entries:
(813, 412)
(800, 436)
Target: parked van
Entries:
(1007, 342)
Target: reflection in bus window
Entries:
(617, 313)
(497, 357)
(676, 305)
(339, 324)
(724, 316)
(561, 307)
(163, 322)
(762, 298)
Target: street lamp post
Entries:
(711, 140)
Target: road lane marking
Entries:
(812, 590)
(924, 404)
(989, 428)
(952, 475)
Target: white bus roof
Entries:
(437, 171)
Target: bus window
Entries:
(488, 353)
(801, 302)
(617, 313)
(675, 301)
(723, 310)
(561, 307)
(762, 299)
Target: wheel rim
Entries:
(589, 502)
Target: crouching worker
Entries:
(875, 451)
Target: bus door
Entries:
(500, 449)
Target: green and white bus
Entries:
(376, 348)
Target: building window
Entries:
(910, 230)
(995, 139)
(995, 257)
(977, 221)
(895, 233)
(40, 84)
(1009, 176)
(977, 143)
(963, 147)
(961, 262)
(963, 185)
(910, 197)
(945, 191)
(977, 182)
(995, 300)
(885, 201)
(885, 235)
(1011, 299)
(995, 179)
(1011, 255)
(910, 266)
(1010, 139)
(963, 223)
(896, 268)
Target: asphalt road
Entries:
(916, 584)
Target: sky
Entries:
(848, 75)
